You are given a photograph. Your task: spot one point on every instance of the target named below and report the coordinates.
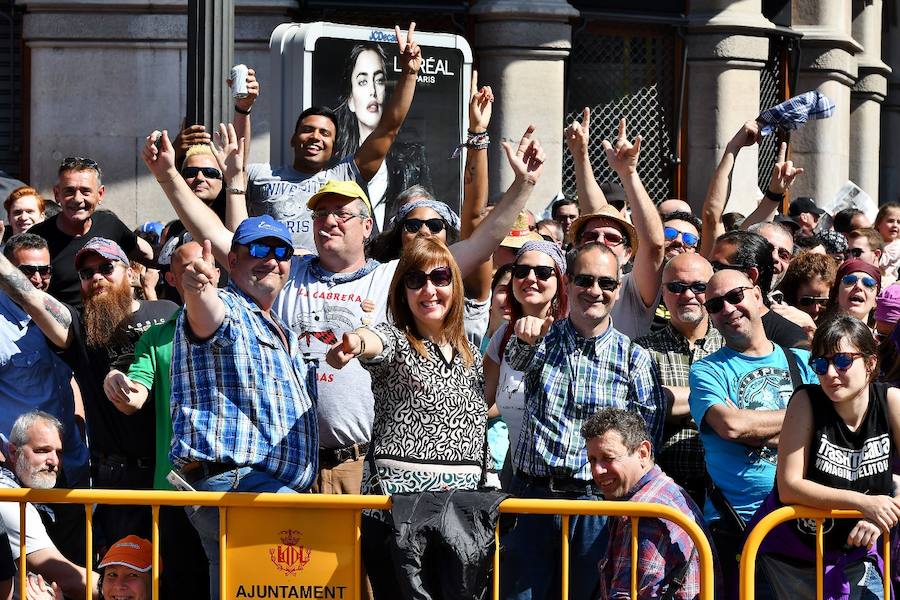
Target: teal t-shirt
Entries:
(150, 368)
(745, 474)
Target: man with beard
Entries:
(688, 337)
(572, 368)
(104, 336)
(35, 448)
(782, 247)
(79, 192)
(737, 398)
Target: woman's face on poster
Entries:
(367, 93)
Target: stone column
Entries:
(728, 45)
(889, 190)
(521, 47)
(828, 65)
(866, 97)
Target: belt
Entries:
(122, 461)
(564, 485)
(193, 472)
(330, 457)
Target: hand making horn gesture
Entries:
(578, 135)
(528, 159)
(410, 53)
(783, 172)
(621, 154)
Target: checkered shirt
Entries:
(796, 111)
(681, 454)
(567, 379)
(241, 398)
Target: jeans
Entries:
(206, 518)
(531, 553)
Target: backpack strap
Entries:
(793, 367)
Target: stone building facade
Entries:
(98, 75)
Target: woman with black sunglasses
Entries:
(835, 451)
(430, 415)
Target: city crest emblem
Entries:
(290, 556)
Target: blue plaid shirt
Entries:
(567, 379)
(794, 112)
(240, 398)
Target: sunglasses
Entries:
(841, 361)
(810, 300)
(609, 240)
(688, 239)
(607, 284)
(541, 272)
(435, 226)
(440, 277)
(867, 281)
(105, 269)
(735, 296)
(281, 252)
(718, 266)
(855, 252)
(30, 270)
(208, 172)
(677, 287)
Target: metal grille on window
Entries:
(771, 92)
(627, 73)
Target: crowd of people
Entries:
(273, 338)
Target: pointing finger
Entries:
(586, 117)
(409, 34)
(474, 89)
(782, 152)
(622, 133)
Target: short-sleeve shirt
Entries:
(430, 416)
(320, 306)
(151, 366)
(65, 285)
(282, 192)
(745, 474)
(36, 537)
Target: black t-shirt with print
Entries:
(64, 285)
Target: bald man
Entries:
(738, 396)
(686, 338)
(673, 205)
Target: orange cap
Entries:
(131, 551)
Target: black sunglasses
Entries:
(440, 277)
(104, 269)
(677, 287)
(607, 284)
(280, 252)
(414, 225)
(542, 272)
(44, 270)
(208, 172)
(735, 296)
(810, 300)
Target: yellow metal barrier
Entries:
(225, 501)
(789, 513)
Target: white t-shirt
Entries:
(510, 396)
(629, 315)
(283, 192)
(320, 307)
(36, 537)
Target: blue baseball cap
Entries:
(257, 228)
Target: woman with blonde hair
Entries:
(430, 414)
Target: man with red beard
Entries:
(93, 342)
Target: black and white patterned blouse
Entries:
(430, 417)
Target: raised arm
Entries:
(720, 186)
(205, 310)
(783, 175)
(371, 153)
(230, 156)
(50, 315)
(475, 189)
(197, 217)
(242, 108)
(527, 162)
(648, 261)
(578, 139)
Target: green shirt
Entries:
(152, 359)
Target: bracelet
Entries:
(362, 343)
(171, 179)
(774, 197)
(475, 141)
(241, 111)
(236, 191)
